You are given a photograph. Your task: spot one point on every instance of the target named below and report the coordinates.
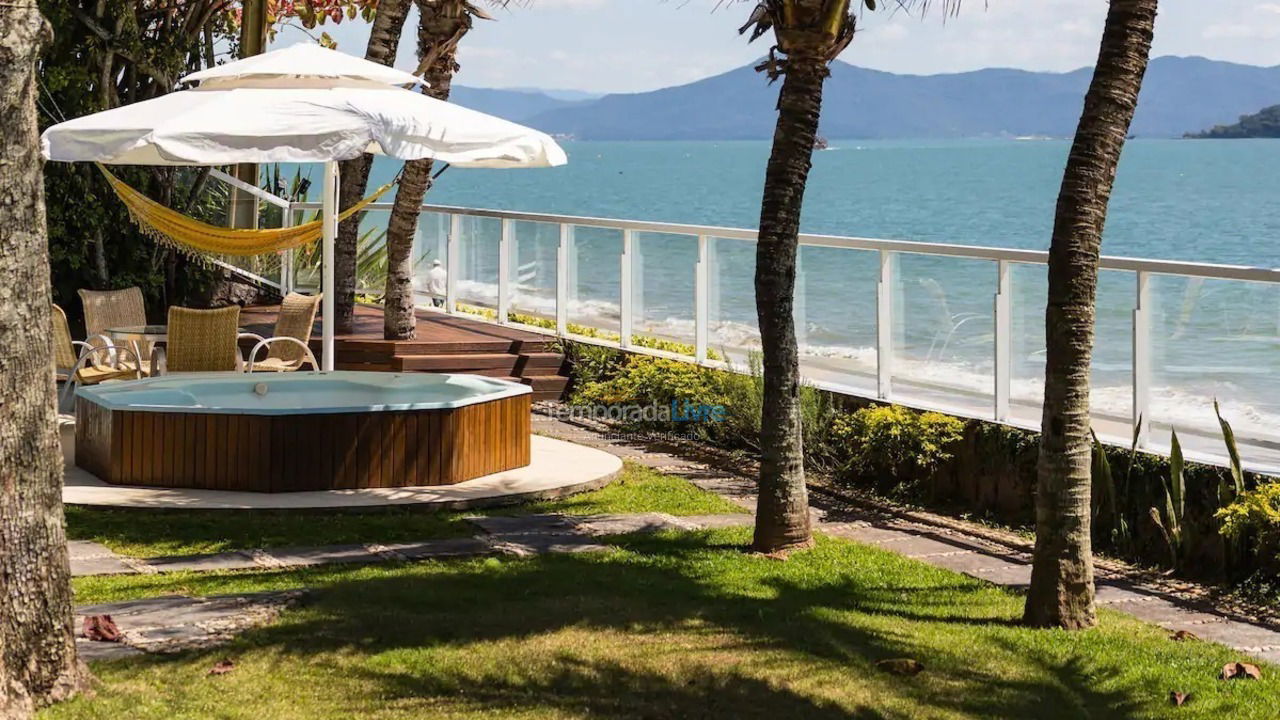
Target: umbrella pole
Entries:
(329, 225)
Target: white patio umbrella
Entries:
(300, 104)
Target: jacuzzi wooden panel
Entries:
(286, 453)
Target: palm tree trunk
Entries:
(38, 662)
(384, 41)
(441, 24)
(782, 515)
(1061, 593)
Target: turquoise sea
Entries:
(1201, 201)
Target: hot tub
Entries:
(302, 431)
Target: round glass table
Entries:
(139, 333)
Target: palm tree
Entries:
(810, 34)
(38, 661)
(384, 42)
(441, 26)
(1061, 593)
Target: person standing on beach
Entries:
(437, 283)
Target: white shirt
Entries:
(437, 280)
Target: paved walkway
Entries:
(944, 543)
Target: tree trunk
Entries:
(384, 41)
(38, 661)
(1061, 593)
(782, 515)
(441, 24)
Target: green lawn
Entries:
(677, 625)
(154, 533)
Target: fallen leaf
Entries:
(1179, 699)
(1184, 635)
(901, 666)
(1242, 670)
(101, 628)
(222, 667)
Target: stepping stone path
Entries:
(951, 545)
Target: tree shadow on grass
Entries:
(599, 689)
(811, 613)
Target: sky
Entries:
(637, 45)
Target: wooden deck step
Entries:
(546, 383)
(541, 363)
(458, 362)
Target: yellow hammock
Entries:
(172, 228)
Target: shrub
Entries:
(891, 444)
(1256, 512)
(645, 380)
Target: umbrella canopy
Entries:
(300, 104)
(261, 110)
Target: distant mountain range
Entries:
(1180, 95)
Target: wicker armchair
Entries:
(201, 341)
(287, 348)
(104, 309)
(73, 359)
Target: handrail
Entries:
(974, 252)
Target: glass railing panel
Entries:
(1111, 381)
(1028, 286)
(835, 309)
(1111, 398)
(943, 332)
(595, 281)
(534, 247)
(1215, 339)
(479, 244)
(662, 285)
(431, 259)
(732, 332)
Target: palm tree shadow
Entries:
(600, 689)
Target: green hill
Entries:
(1263, 124)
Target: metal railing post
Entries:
(287, 257)
(562, 279)
(627, 292)
(701, 290)
(504, 270)
(884, 327)
(1142, 357)
(453, 244)
(1003, 340)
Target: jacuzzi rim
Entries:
(95, 394)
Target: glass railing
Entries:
(955, 328)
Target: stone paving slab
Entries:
(90, 651)
(530, 544)
(523, 524)
(176, 623)
(632, 523)
(326, 555)
(429, 549)
(203, 563)
(710, 522)
(101, 566)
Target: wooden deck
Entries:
(443, 343)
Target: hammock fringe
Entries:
(193, 237)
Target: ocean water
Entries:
(1201, 201)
